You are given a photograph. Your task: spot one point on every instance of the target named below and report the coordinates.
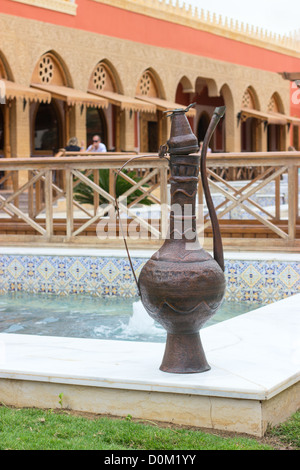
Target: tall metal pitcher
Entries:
(182, 285)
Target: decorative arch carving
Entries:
(2, 70)
(49, 70)
(5, 71)
(275, 104)
(147, 85)
(150, 85)
(276, 134)
(103, 78)
(249, 99)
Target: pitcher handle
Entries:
(217, 240)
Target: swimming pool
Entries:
(82, 316)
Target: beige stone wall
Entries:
(23, 42)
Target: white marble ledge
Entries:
(253, 356)
(138, 253)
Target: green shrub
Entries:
(84, 194)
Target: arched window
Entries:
(47, 132)
(205, 105)
(250, 131)
(276, 132)
(49, 121)
(95, 125)
(151, 125)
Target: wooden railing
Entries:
(264, 228)
(39, 204)
(52, 181)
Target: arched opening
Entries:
(205, 106)
(276, 133)
(184, 95)
(151, 125)
(184, 92)
(47, 135)
(250, 126)
(49, 121)
(95, 125)
(107, 124)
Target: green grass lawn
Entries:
(34, 429)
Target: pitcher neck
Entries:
(184, 185)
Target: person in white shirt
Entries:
(200, 149)
(97, 145)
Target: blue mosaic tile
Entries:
(256, 281)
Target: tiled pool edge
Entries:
(254, 277)
(252, 383)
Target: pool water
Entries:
(81, 316)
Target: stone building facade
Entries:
(74, 68)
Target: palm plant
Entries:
(84, 194)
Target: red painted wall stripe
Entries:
(104, 19)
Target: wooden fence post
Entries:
(49, 204)
(293, 201)
(69, 203)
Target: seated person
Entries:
(72, 145)
(200, 149)
(97, 145)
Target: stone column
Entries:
(20, 133)
(78, 124)
(127, 130)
